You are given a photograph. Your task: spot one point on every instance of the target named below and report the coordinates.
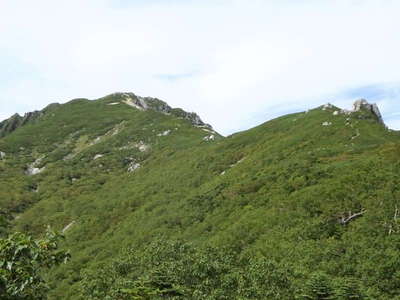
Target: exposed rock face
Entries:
(34, 171)
(209, 138)
(363, 104)
(11, 124)
(133, 167)
(165, 133)
(359, 105)
(33, 168)
(327, 106)
(2, 155)
(146, 103)
(16, 121)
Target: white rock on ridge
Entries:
(165, 133)
(97, 156)
(96, 140)
(133, 166)
(133, 104)
(326, 106)
(113, 103)
(33, 169)
(114, 131)
(359, 104)
(362, 103)
(140, 103)
(346, 112)
(326, 124)
(2, 155)
(208, 130)
(142, 146)
(209, 138)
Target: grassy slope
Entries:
(277, 190)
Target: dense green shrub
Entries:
(22, 261)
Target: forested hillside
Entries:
(154, 204)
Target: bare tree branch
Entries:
(346, 219)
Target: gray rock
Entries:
(16, 121)
(148, 103)
(209, 138)
(97, 156)
(34, 171)
(327, 106)
(165, 133)
(33, 168)
(2, 155)
(373, 108)
(133, 167)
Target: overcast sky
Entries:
(237, 63)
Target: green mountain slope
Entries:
(312, 193)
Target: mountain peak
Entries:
(360, 105)
(373, 108)
(149, 103)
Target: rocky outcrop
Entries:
(164, 133)
(133, 166)
(148, 103)
(363, 104)
(360, 105)
(209, 138)
(16, 121)
(33, 168)
(327, 106)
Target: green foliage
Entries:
(318, 287)
(321, 286)
(177, 270)
(22, 260)
(349, 289)
(257, 213)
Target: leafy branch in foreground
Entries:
(22, 260)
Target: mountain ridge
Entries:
(284, 193)
(142, 103)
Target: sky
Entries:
(237, 63)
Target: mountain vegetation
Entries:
(154, 204)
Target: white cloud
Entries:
(248, 60)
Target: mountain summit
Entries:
(373, 108)
(146, 103)
(361, 109)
